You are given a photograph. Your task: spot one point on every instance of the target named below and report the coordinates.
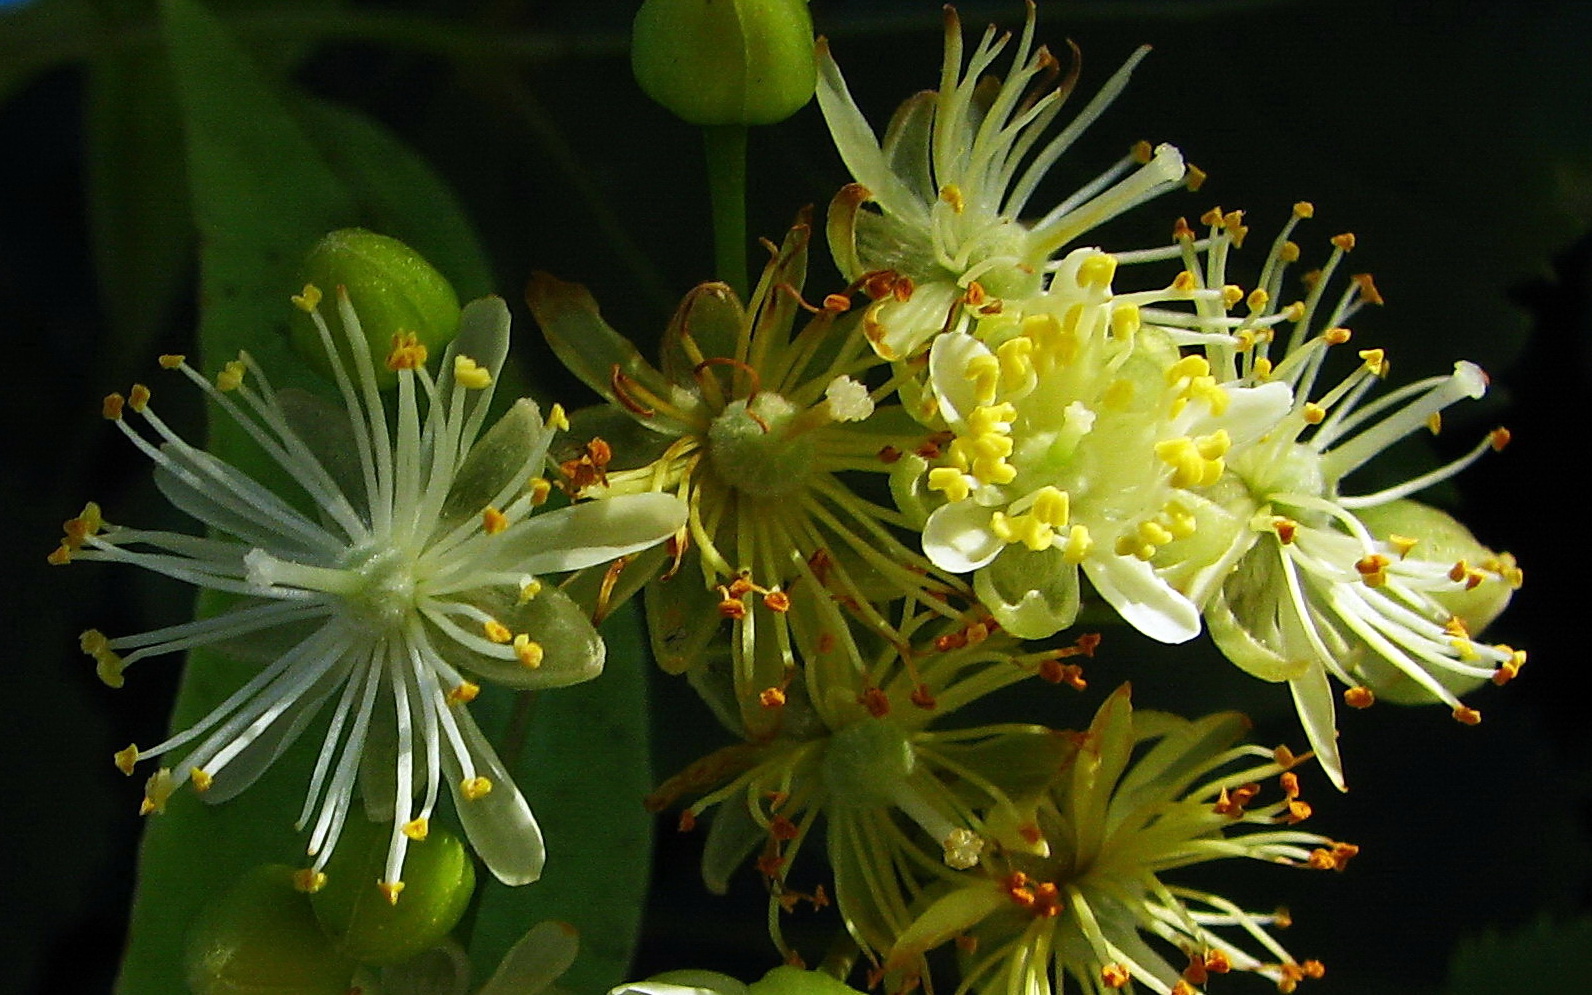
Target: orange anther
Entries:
(1359, 697)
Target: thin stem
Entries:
(726, 148)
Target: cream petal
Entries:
(499, 824)
(535, 961)
(956, 538)
(1143, 599)
(1032, 595)
(1312, 695)
(584, 534)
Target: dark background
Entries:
(1454, 138)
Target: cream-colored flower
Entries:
(399, 565)
(952, 180)
(1074, 434)
(1300, 581)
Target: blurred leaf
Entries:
(28, 39)
(584, 767)
(399, 194)
(261, 196)
(138, 196)
(1546, 956)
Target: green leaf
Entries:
(1546, 957)
(260, 197)
(31, 39)
(584, 767)
(138, 197)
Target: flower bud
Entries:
(261, 938)
(784, 980)
(358, 913)
(393, 291)
(715, 62)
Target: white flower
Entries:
(1074, 437)
(414, 571)
(1299, 581)
(954, 175)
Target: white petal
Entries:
(1312, 695)
(586, 534)
(956, 538)
(1254, 411)
(1048, 605)
(499, 824)
(535, 961)
(949, 357)
(1143, 599)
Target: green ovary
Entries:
(756, 447)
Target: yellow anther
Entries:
(1344, 241)
(111, 407)
(1372, 569)
(1402, 544)
(557, 419)
(1289, 253)
(1359, 697)
(1466, 650)
(1126, 321)
(1468, 716)
(1181, 230)
(1097, 270)
(1178, 520)
(1052, 506)
(1261, 369)
(407, 353)
(171, 360)
(307, 299)
(108, 665)
(539, 488)
(1000, 526)
(138, 397)
(231, 376)
(529, 590)
(416, 829)
(308, 880)
(1189, 367)
(1498, 438)
(1304, 209)
(157, 791)
(1185, 282)
(464, 693)
(528, 651)
(496, 631)
(125, 759)
(475, 787)
(1232, 293)
(949, 481)
(493, 521)
(1115, 975)
(1296, 310)
(469, 374)
(1258, 299)
(1153, 533)
(1213, 217)
(390, 890)
(1337, 336)
(1195, 177)
(1215, 445)
(952, 195)
(201, 779)
(1016, 361)
(984, 371)
(1078, 545)
(1375, 361)
(1314, 414)
(1142, 152)
(1286, 529)
(1368, 291)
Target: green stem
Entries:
(726, 147)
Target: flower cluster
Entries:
(857, 526)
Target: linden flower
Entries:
(1143, 794)
(954, 174)
(902, 803)
(415, 573)
(1073, 434)
(752, 423)
(1299, 581)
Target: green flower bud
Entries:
(717, 62)
(378, 923)
(393, 290)
(1442, 538)
(262, 939)
(784, 980)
